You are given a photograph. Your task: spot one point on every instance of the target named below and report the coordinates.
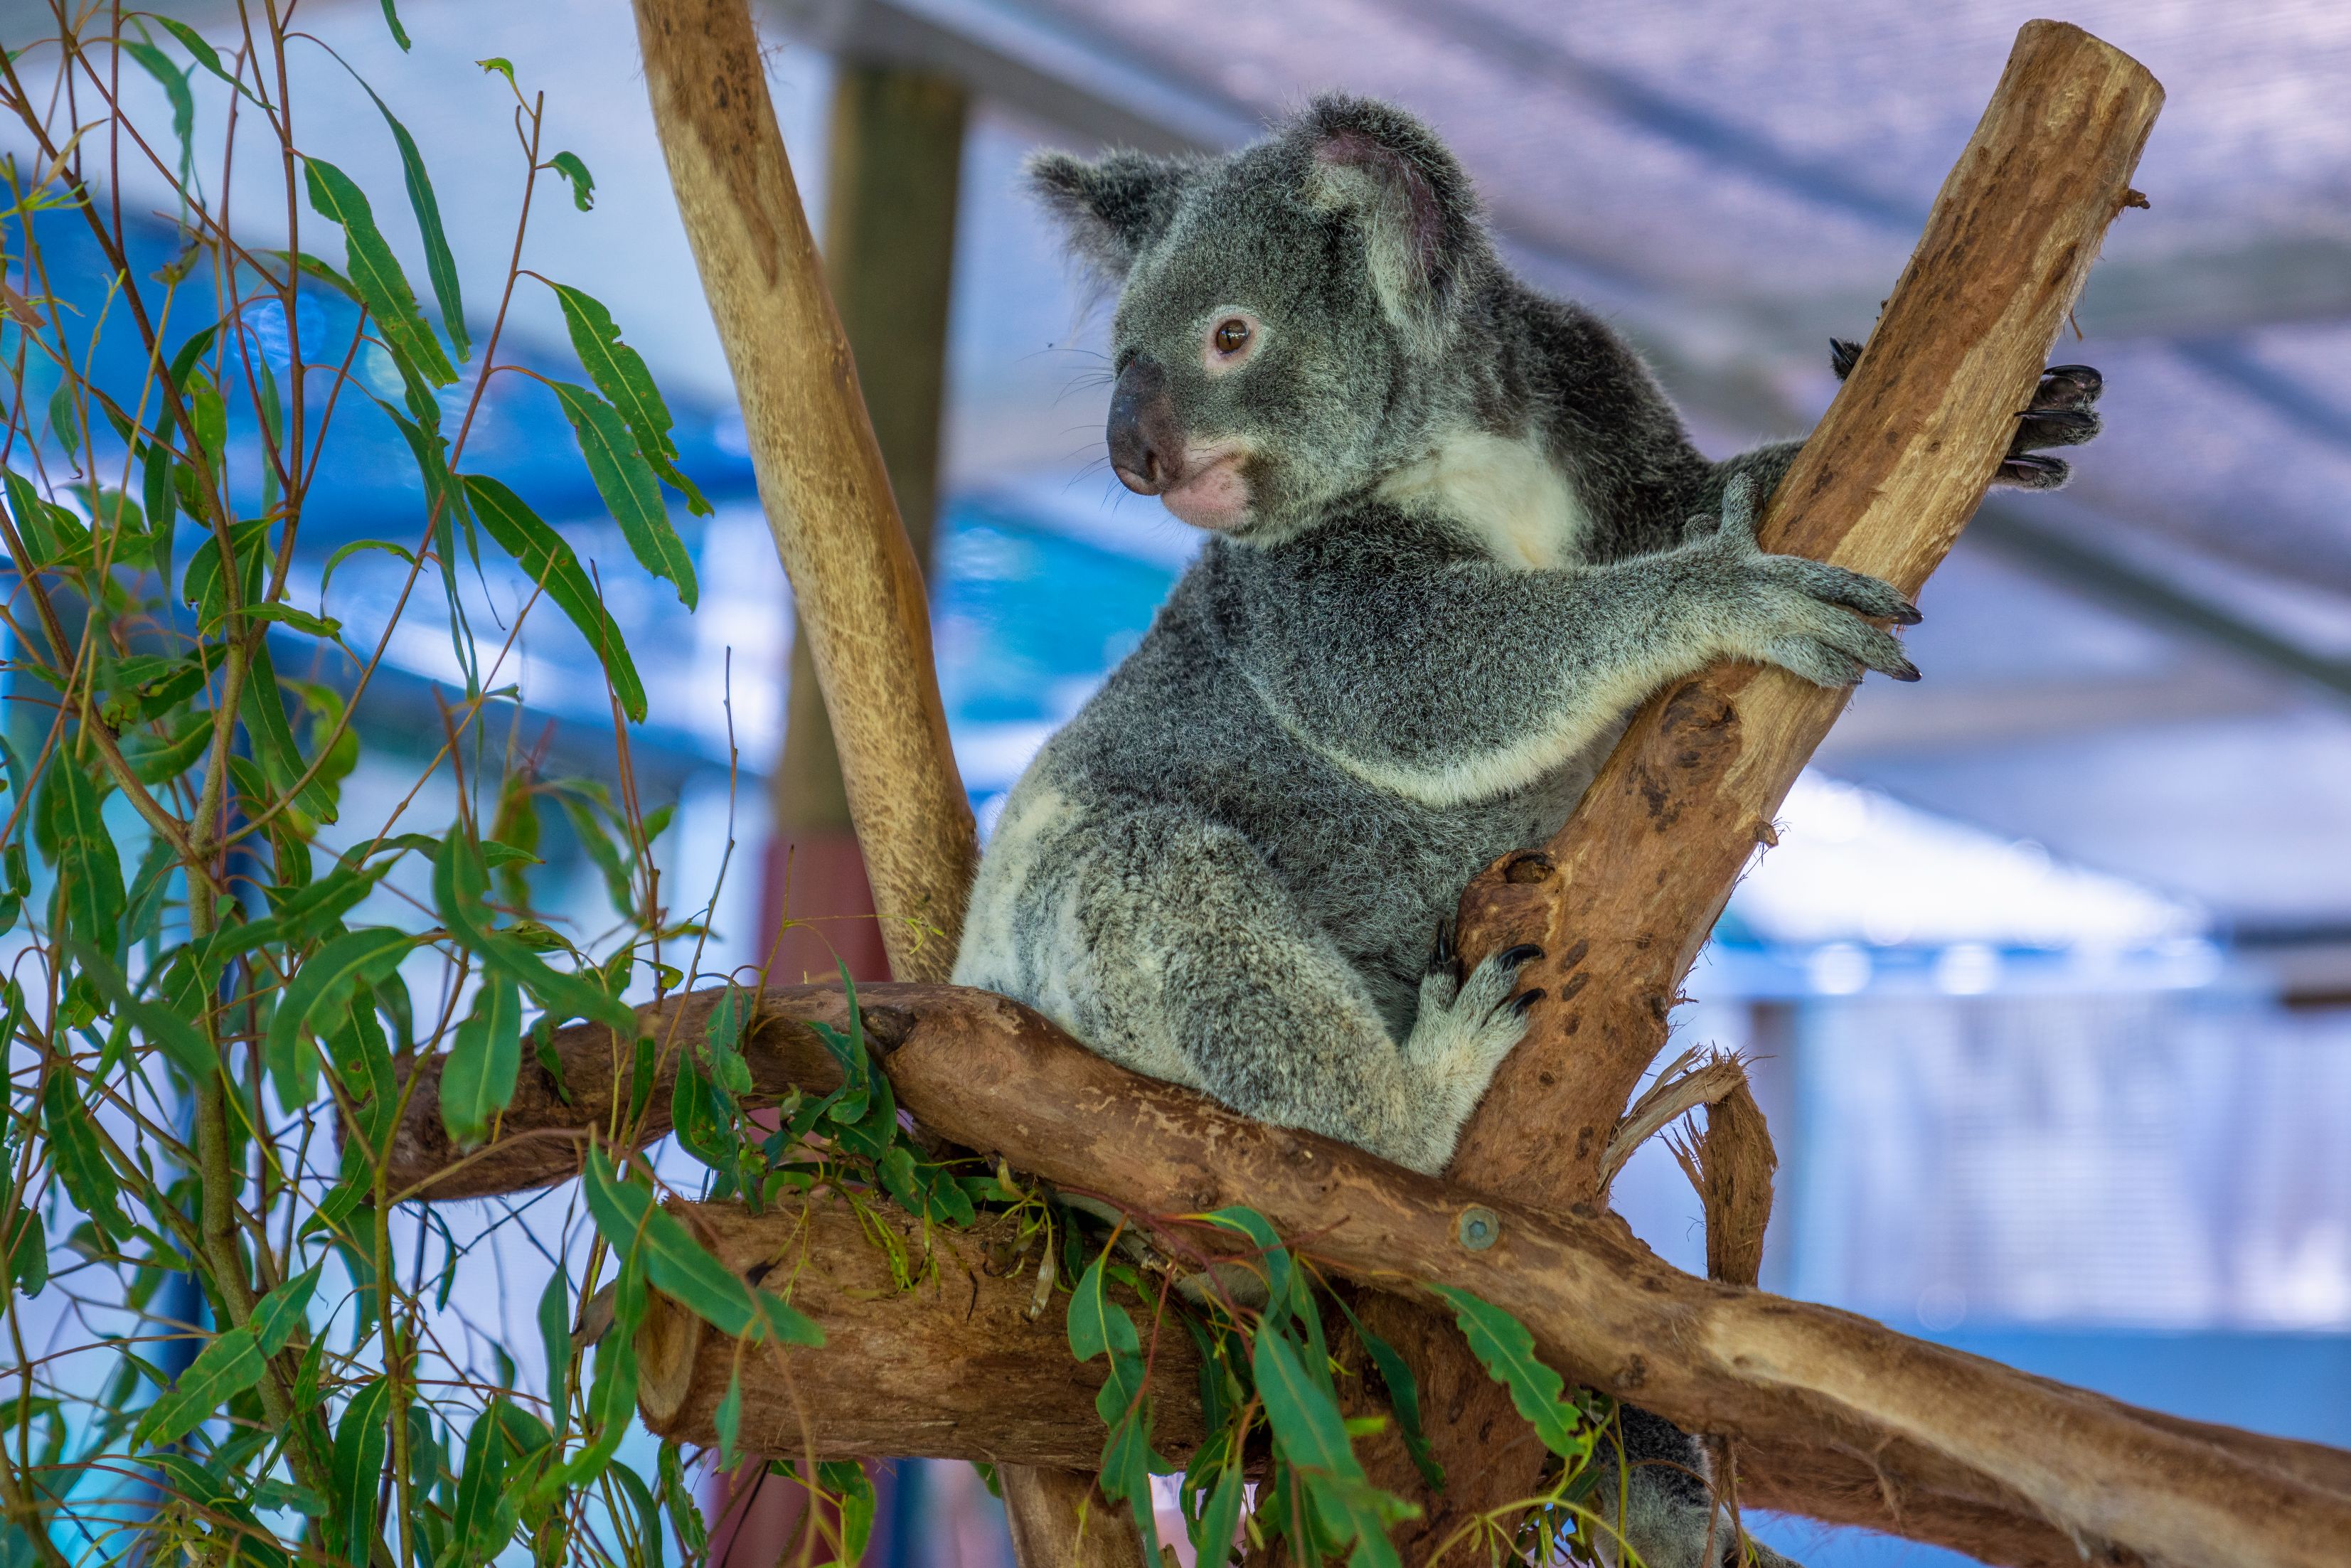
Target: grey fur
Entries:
(1477, 536)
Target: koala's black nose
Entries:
(1147, 439)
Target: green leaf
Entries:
(174, 83)
(620, 373)
(90, 871)
(439, 264)
(626, 481)
(1506, 1351)
(679, 1268)
(302, 263)
(852, 1492)
(323, 986)
(185, 1043)
(326, 577)
(729, 1419)
(1272, 1257)
(459, 883)
(160, 506)
(567, 164)
(391, 20)
(590, 831)
(477, 1082)
(478, 1485)
(65, 410)
(375, 273)
(1212, 1536)
(264, 712)
(232, 1363)
(543, 556)
(277, 1314)
(1404, 1399)
(648, 1515)
(722, 1039)
(362, 1442)
(204, 53)
(555, 1339)
(80, 1162)
(300, 620)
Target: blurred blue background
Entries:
(2047, 980)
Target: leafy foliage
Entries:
(223, 970)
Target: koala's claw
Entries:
(1524, 1002)
(1444, 959)
(2060, 415)
(2031, 470)
(1511, 957)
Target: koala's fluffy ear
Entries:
(1111, 208)
(1418, 216)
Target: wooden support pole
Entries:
(893, 178)
(1624, 897)
(862, 611)
(1842, 1418)
(821, 478)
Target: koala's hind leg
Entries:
(1195, 945)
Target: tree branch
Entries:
(1846, 1420)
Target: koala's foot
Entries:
(1803, 615)
(2060, 414)
(1463, 1031)
(1670, 1518)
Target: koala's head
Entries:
(1286, 312)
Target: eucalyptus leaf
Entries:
(627, 483)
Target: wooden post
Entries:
(1626, 893)
(864, 615)
(821, 478)
(894, 175)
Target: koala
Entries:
(1456, 534)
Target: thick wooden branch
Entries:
(954, 1367)
(1624, 894)
(855, 579)
(1837, 1410)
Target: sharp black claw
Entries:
(2056, 426)
(1909, 672)
(1511, 957)
(1909, 616)
(1524, 1000)
(2087, 379)
(2031, 471)
(1843, 354)
(1446, 958)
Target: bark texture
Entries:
(952, 1368)
(855, 583)
(1624, 897)
(1843, 1420)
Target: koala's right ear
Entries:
(1111, 208)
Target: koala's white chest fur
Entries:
(1507, 490)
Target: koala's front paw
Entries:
(2060, 414)
(1801, 615)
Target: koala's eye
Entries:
(1232, 335)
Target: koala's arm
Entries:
(1462, 680)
